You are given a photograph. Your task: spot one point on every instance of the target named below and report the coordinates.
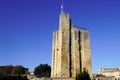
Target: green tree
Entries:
(43, 70)
(6, 70)
(83, 75)
(18, 70)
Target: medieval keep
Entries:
(70, 50)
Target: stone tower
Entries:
(71, 49)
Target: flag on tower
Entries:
(62, 5)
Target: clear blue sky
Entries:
(26, 28)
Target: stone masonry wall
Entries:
(70, 51)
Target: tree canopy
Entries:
(43, 70)
(83, 75)
(12, 70)
(6, 70)
(17, 70)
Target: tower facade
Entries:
(70, 50)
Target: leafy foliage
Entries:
(12, 70)
(6, 70)
(43, 70)
(17, 70)
(83, 75)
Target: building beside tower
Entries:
(107, 74)
(70, 50)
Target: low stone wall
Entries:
(42, 79)
(53, 79)
(63, 79)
